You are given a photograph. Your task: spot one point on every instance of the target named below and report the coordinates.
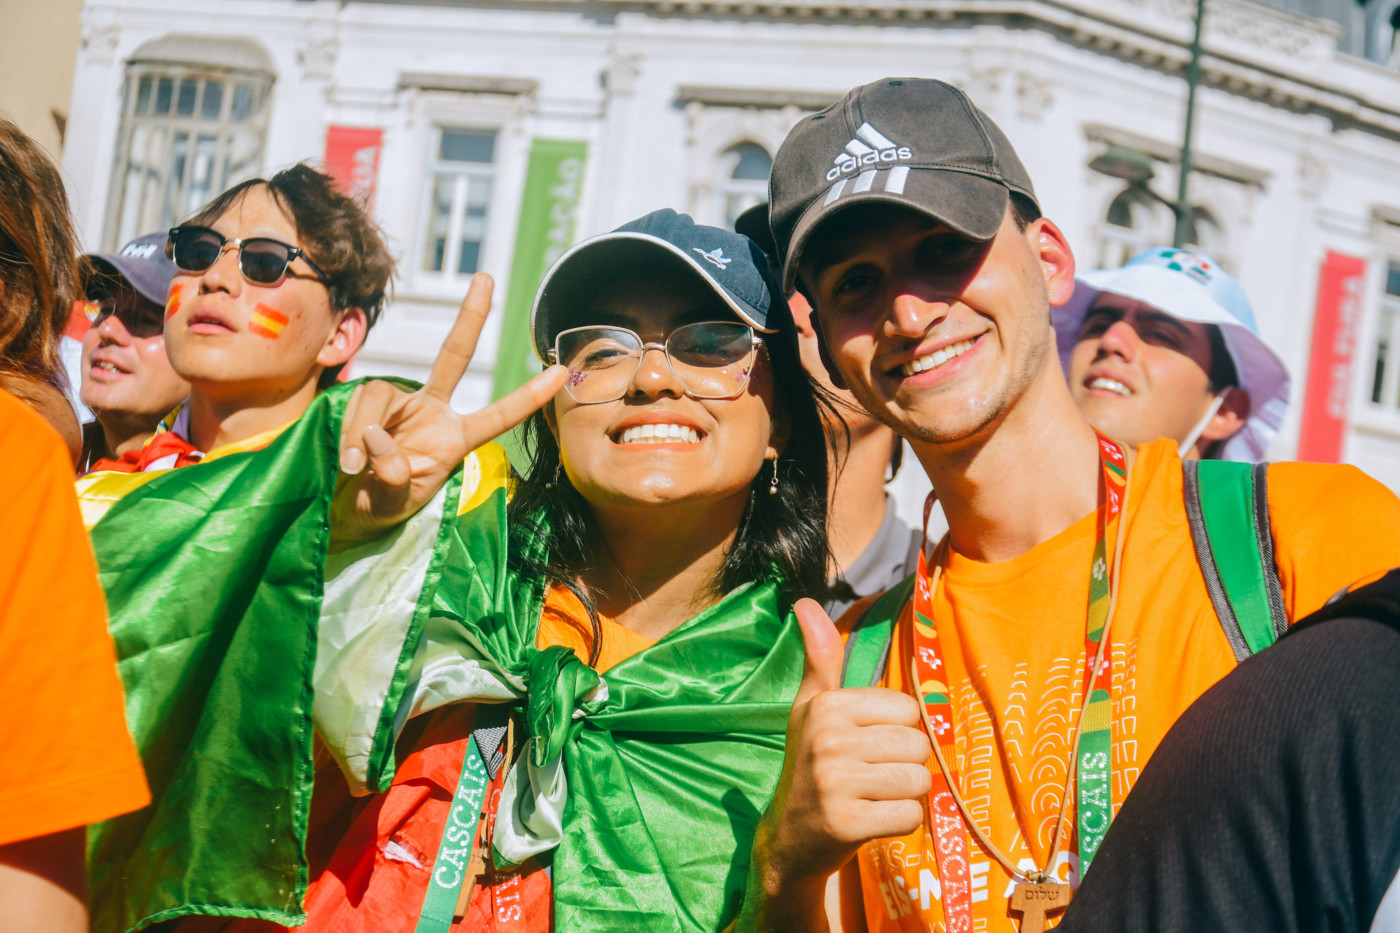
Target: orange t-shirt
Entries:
(1012, 635)
(565, 622)
(71, 758)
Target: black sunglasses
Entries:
(263, 261)
(140, 317)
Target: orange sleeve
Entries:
(70, 759)
(1333, 525)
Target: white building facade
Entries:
(491, 135)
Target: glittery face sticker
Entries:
(576, 377)
(172, 304)
(267, 322)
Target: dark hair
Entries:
(781, 536)
(38, 257)
(1023, 210)
(336, 232)
(1222, 373)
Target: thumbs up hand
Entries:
(855, 770)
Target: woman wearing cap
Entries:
(672, 509)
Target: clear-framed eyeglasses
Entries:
(710, 359)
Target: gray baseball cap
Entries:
(727, 262)
(143, 264)
(753, 223)
(911, 141)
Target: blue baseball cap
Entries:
(1193, 287)
(143, 264)
(731, 264)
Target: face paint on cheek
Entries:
(172, 304)
(267, 322)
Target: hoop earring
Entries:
(773, 487)
(554, 480)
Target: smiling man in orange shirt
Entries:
(1067, 591)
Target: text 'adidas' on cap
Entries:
(911, 141)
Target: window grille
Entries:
(1385, 373)
(743, 180)
(187, 134)
(460, 178)
(1127, 229)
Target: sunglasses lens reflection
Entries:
(196, 250)
(712, 358)
(139, 317)
(263, 261)
(601, 361)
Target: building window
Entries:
(1385, 378)
(188, 132)
(743, 179)
(1127, 229)
(1135, 222)
(1201, 233)
(461, 175)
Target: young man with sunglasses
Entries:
(278, 281)
(952, 785)
(127, 379)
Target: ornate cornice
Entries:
(763, 98)
(1251, 50)
(466, 84)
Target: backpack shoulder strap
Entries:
(1227, 508)
(868, 645)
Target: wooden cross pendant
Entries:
(477, 871)
(1033, 901)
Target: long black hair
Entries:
(782, 536)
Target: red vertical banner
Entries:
(352, 159)
(1341, 289)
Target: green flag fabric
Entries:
(239, 634)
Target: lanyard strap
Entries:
(1091, 750)
(950, 843)
(1095, 737)
(450, 868)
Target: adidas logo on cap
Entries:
(870, 147)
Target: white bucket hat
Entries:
(1193, 287)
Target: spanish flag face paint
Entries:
(172, 304)
(267, 322)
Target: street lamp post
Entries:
(1135, 167)
(1193, 78)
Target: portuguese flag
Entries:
(240, 634)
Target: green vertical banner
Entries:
(548, 212)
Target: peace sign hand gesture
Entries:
(412, 441)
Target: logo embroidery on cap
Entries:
(870, 147)
(1192, 264)
(139, 250)
(715, 257)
